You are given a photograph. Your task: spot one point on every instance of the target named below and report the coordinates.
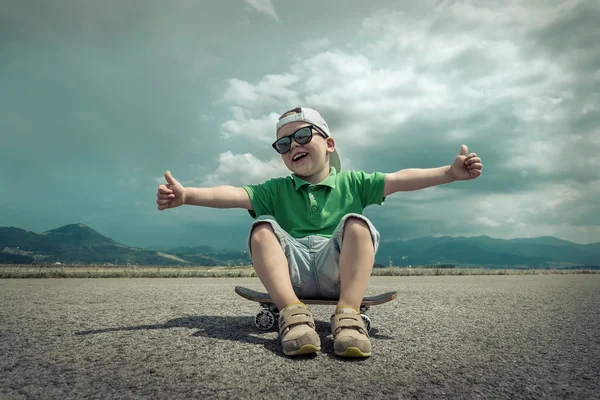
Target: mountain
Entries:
(80, 244)
(78, 235)
(593, 246)
(487, 251)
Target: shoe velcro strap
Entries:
(346, 321)
(295, 317)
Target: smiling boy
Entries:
(310, 238)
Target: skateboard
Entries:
(268, 315)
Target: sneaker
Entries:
(350, 337)
(297, 331)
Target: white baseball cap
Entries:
(312, 117)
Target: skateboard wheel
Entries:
(265, 320)
(367, 321)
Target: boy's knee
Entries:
(357, 226)
(261, 232)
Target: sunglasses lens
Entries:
(282, 145)
(303, 136)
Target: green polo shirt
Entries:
(303, 209)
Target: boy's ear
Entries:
(330, 144)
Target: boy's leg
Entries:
(271, 265)
(296, 322)
(357, 257)
(345, 261)
(345, 265)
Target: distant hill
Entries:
(77, 235)
(483, 250)
(80, 244)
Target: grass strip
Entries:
(24, 272)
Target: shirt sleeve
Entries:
(263, 198)
(371, 186)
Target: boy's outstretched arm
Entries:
(173, 194)
(464, 167)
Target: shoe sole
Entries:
(353, 352)
(306, 349)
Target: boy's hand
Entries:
(170, 195)
(465, 166)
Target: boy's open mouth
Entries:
(299, 156)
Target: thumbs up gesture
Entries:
(170, 195)
(465, 166)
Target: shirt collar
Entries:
(329, 181)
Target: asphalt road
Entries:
(531, 337)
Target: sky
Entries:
(99, 99)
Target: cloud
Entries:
(316, 44)
(268, 92)
(249, 104)
(562, 210)
(518, 82)
(485, 221)
(261, 129)
(427, 83)
(412, 86)
(457, 75)
(264, 7)
(243, 169)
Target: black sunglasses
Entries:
(301, 136)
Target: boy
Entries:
(313, 240)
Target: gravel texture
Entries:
(530, 337)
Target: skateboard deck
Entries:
(267, 317)
(264, 298)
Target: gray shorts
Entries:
(313, 261)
